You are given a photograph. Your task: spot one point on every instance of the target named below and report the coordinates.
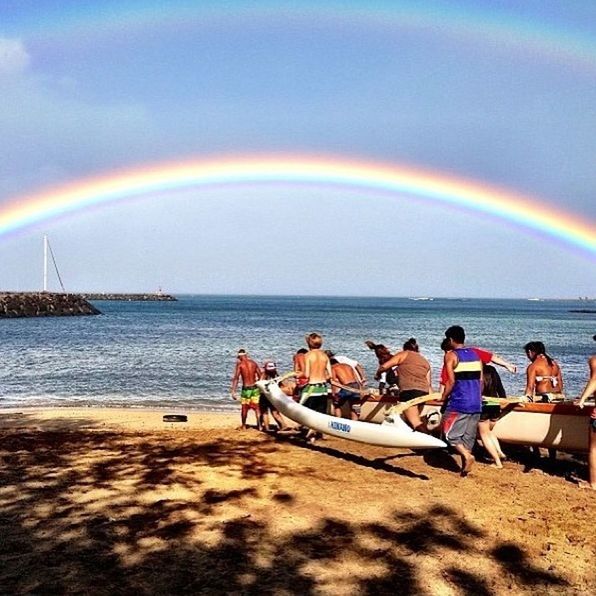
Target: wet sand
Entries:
(117, 502)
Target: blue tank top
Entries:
(466, 396)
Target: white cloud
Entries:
(14, 57)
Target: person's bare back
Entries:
(344, 373)
(317, 366)
(249, 371)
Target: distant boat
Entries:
(535, 300)
(423, 298)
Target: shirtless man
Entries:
(356, 366)
(590, 391)
(317, 371)
(247, 370)
(299, 368)
(344, 374)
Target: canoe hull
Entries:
(388, 434)
(561, 426)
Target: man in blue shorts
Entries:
(463, 392)
(349, 392)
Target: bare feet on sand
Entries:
(467, 464)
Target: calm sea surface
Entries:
(183, 353)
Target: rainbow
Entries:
(403, 181)
(483, 23)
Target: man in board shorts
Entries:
(247, 370)
(344, 374)
(463, 392)
(317, 371)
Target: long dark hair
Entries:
(381, 352)
(493, 386)
(539, 349)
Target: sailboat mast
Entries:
(45, 263)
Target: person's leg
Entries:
(496, 442)
(412, 417)
(278, 419)
(592, 456)
(467, 459)
(458, 434)
(338, 403)
(486, 438)
(265, 420)
(243, 414)
(257, 410)
(469, 434)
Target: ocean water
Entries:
(182, 354)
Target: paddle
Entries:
(361, 392)
(403, 406)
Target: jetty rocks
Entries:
(43, 304)
(153, 297)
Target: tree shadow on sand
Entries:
(82, 512)
(376, 463)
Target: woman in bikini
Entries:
(544, 380)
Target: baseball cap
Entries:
(270, 365)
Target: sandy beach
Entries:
(114, 501)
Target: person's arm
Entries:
(498, 360)
(530, 382)
(449, 363)
(307, 366)
(297, 366)
(590, 388)
(429, 380)
(235, 380)
(388, 364)
(334, 379)
(361, 373)
(559, 378)
(328, 370)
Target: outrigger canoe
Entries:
(562, 425)
(392, 432)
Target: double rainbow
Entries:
(398, 180)
(484, 21)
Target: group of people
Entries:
(468, 381)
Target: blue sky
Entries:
(489, 91)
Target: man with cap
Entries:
(590, 391)
(265, 406)
(247, 370)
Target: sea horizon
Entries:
(182, 353)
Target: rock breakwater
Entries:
(43, 304)
(154, 297)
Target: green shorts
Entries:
(250, 396)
